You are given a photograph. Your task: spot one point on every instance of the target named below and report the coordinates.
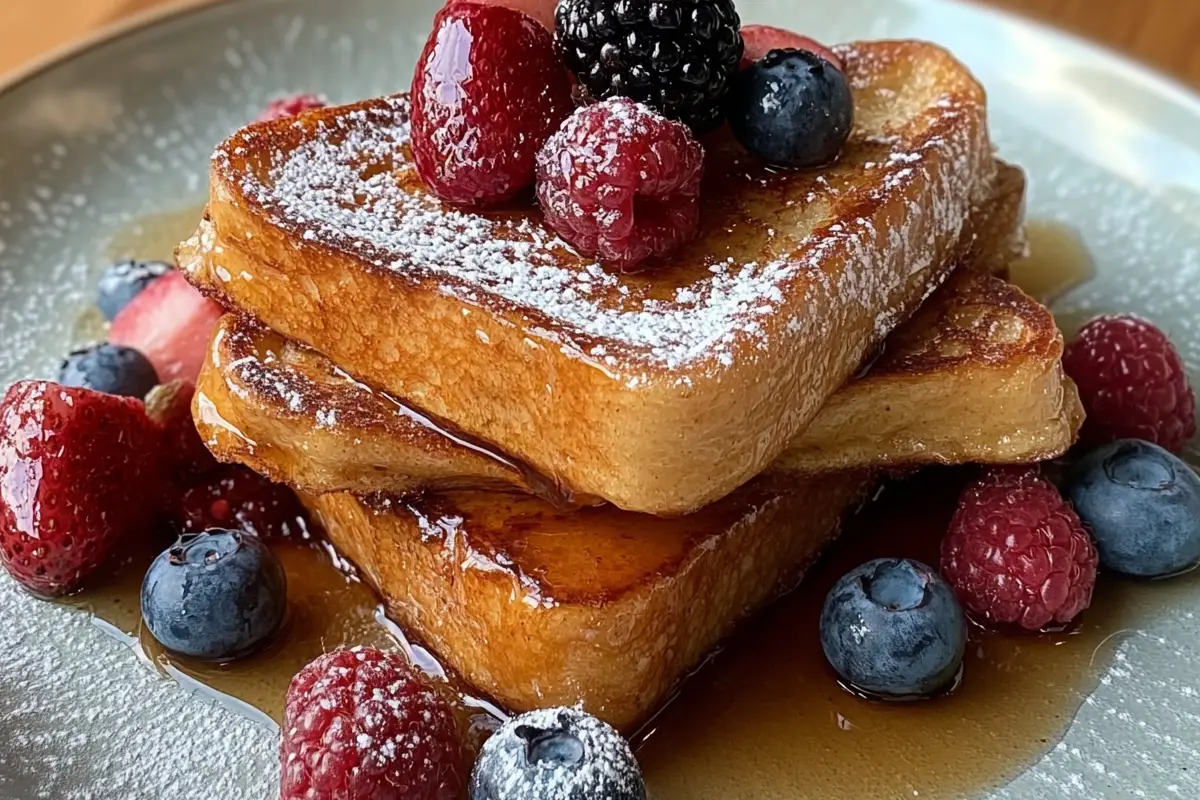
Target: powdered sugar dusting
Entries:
(122, 143)
(607, 771)
(349, 185)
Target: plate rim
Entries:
(1175, 89)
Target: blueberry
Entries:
(560, 753)
(1142, 505)
(791, 109)
(124, 281)
(893, 629)
(218, 595)
(109, 368)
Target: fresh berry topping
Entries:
(291, 106)
(560, 753)
(77, 475)
(541, 10)
(239, 498)
(762, 39)
(1142, 505)
(171, 323)
(109, 368)
(218, 596)
(124, 281)
(1132, 383)
(170, 406)
(621, 182)
(488, 90)
(677, 56)
(892, 629)
(362, 724)
(1017, 554)
(792, 109)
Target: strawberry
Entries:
(541, 10)
(170, 407)
(762, 39)
(489, 89)
(78, 473)
(171, 324)
(291, 106)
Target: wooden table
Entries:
(1165, 33)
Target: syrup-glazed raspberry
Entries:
(621, 182)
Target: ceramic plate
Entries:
(122, 129)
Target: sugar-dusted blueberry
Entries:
(109, 368)
(1142, 505)
(218, 596)
(124, 281)
(892, 628)
(559, 753)
(792, 109)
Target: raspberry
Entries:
(1132, 383)
(488, 90)
(238, 498)
(361, 724)
(1017, 554)
(170, 406)
(78, 474)
(621, 182)
(291, 106)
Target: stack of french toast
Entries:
(572, 481)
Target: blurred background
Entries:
(1163, 33)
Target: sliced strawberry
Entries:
(78, 473)
(541, 10)
(171, 324)
(170, 407)
(762, 39)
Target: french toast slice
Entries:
(975, 376)
(540, 607)
(659, 391)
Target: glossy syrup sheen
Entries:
(768, 712)
(1057, 262)
(327, 608)
(766, 717)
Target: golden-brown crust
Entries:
(604, 607)
(660, 427)
(974, 376)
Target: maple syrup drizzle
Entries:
(768, 711)
(765, 717)
(1058, 261)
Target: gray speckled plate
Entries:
(122, 129)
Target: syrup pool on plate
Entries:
(765, 717)
(1057, 262)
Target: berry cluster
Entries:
(492, 112)
(1021, 554)
(109, 454)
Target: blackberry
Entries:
(676, 56)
